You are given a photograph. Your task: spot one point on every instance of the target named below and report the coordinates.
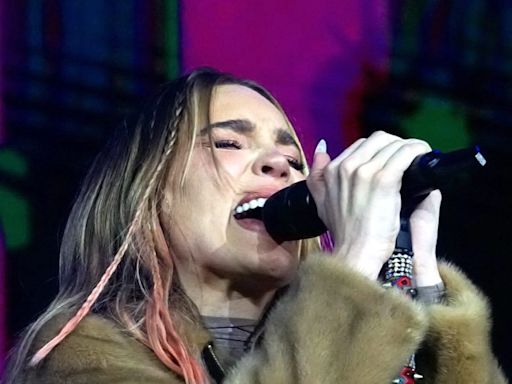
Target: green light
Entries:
(14, 208)
(440, 123)
(12, 163)
(171, 39)
(15, 219)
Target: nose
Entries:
(273, 164)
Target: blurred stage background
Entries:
(71, 70)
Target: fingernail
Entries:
(321, 147)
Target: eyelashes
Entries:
(233, 144)
(296, 164)
(223, 144)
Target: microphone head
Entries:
(437, 170)
(291, 214)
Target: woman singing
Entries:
(167, 275)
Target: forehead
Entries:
(232, 101)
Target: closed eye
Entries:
(233, 144)
(296, 164)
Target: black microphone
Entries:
(291, 213)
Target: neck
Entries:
(220, 297)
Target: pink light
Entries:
(309, 55)
(3, 293)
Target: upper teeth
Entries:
(255, 203)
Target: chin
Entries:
(278, 267)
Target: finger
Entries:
(425, 221)
(350, 149)
(429, 208)
(399, 161)
(320, 160)
(379, 160)
(424, 227)
(366, 148)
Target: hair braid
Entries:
(153, 310)
(93, 296)
(162, 335)
(183, 364)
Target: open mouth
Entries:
(250, 210)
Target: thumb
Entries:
(316, 180)
(320, 160)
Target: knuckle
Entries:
(364, 172)
(419, 145)
(383, 135)
(386, 178)
(412, 149)
(379, 133)
(437, 195)
(330, 172)
(359, 141)
(348, 166)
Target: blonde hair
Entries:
(105, 245)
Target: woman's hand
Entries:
(358, 198)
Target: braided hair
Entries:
(115, 259)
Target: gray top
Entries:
(231, 337)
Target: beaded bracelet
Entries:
(398, 272)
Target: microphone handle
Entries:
(291, 213)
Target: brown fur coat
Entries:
(333, 326)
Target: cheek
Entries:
(205, 182)
(297, 176)
(201, 173)
(204, 187)
(230, 163)
(233, 163)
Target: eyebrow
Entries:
(242, 126)
(246, 127)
